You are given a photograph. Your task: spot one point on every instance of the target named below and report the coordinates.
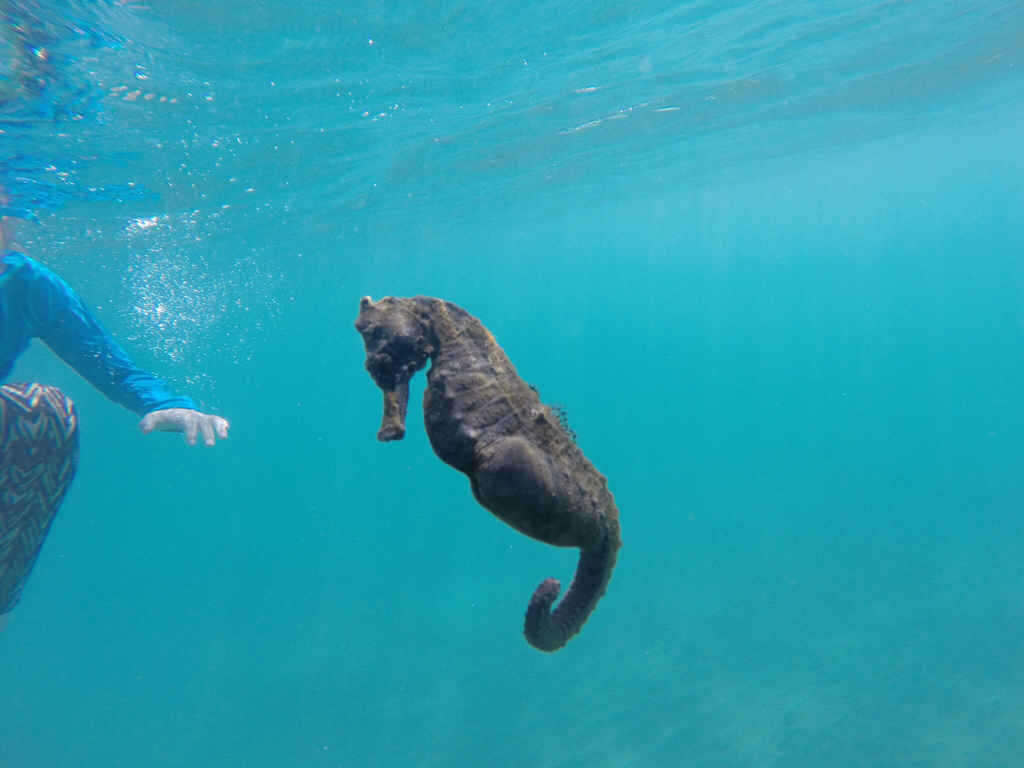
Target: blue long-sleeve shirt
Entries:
(35, 303)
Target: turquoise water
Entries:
(769, 255)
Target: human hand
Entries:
(188, 421)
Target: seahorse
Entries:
(486, 422)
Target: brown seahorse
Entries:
(489, 424)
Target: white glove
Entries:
(188, 421)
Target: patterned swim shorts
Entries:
(38, 458)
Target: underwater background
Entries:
(769, 255)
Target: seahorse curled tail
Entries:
(548, 630)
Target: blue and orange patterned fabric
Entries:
(38, 458)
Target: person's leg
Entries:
(38, 458)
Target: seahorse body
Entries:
(486, 422)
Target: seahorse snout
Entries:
(396, 400)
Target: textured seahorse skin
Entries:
(486, 422)
(38, 458)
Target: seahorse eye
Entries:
(381, 366)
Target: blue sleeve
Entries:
(71, 330)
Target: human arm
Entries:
(65, 324)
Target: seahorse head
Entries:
(398, 343)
